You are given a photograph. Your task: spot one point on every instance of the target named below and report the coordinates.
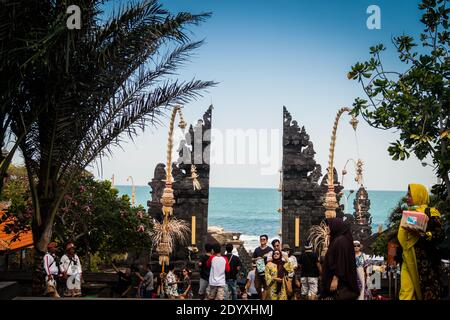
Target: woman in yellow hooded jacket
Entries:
(420, 276)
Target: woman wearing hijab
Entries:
(275, 274)
(420, 276)
(339, 276)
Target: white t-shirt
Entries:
(219, 265)
(293, 260)
(251, 278)
(70, 266)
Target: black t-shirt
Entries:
(234, 262)
(185, 284)
(261, 252)
(308, 263)
(204, 271)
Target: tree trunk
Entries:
(38, 278)
(41, 238)
(447, 184)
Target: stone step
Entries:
(9, 290)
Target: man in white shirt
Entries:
(71, 270)
(250, 288)
(51, 269)
(276, 245)
(217, 281)
(291, 258)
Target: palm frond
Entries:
(177, 232)
(319, 237)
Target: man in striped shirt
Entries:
(51, 268)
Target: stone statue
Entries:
(316, 174)
(160, 171)
(309, 150)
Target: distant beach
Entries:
(254, 211)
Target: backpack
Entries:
(235, 270)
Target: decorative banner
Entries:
(297, 232)
(193, 226)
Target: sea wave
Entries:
(252, 242)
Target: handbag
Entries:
(260, 266)
(288, 286)
(51, 288)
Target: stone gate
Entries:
(302, 195)
(188, 202)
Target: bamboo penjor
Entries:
(171, 228)
(330, 203)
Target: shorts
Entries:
(309, 286)
(203, 287)
(216, 292)
(260, 282)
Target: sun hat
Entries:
(52, 245)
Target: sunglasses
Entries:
(357, 246)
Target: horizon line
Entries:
(262, 188)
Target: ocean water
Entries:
(254, 211)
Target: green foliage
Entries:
(92, 214)
(99, 221)
(16, 185)
(415, 102)
(380, 245)
(16, 193)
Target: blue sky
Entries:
(266, 54)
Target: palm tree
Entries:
(83, 91)
(11, 24)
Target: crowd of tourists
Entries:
(277, 274)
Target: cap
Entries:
(52, 245)
(308, 247)
(356, 242)
(286, 246)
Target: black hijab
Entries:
(340, 258)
